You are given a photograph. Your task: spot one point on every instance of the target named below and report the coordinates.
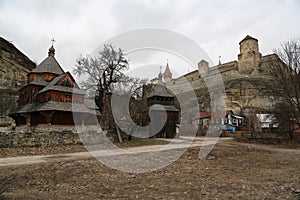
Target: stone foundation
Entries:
(44, 135)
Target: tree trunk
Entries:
(119, 134)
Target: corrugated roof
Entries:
(203, 115)
(268, 118)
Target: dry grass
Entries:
(231, 171)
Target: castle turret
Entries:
(167, 74)
(203, 67)
(249, 56)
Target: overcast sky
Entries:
(81, 26)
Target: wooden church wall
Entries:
(46, 76)
(26, 94)
(65, 118)
(60, 96)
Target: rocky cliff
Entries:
(14, 66)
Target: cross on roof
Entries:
(52, 41)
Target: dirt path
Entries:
(177, 144)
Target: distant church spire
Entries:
(167, 70)
(167, 73)
(160, 76)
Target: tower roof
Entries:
(160, 76)
(248, 37)
(167, 71)
(49, 65)
(160, 90)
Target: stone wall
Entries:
(242, 91)
(44, 135)
(8, 102)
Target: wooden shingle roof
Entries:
(49, 65)
(160, 90)
(52, 86)
(38, 81)
(52, 106)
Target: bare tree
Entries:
(286, 85)
(105, 74)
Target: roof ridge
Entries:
(38, 79)
(52, 86)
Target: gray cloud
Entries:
(80, 26)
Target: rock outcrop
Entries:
(14, 66)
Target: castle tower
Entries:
(249, 56)
(203, 67)
(167, 74)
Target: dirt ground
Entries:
(47, 150)
(230, 171)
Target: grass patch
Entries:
(136, 142)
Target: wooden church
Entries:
(51, 96)
(161, 100)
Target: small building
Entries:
(202, 119)
(161, 101)
(52, 96)
(227, 120)
(267, 122)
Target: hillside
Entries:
(16, 55)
